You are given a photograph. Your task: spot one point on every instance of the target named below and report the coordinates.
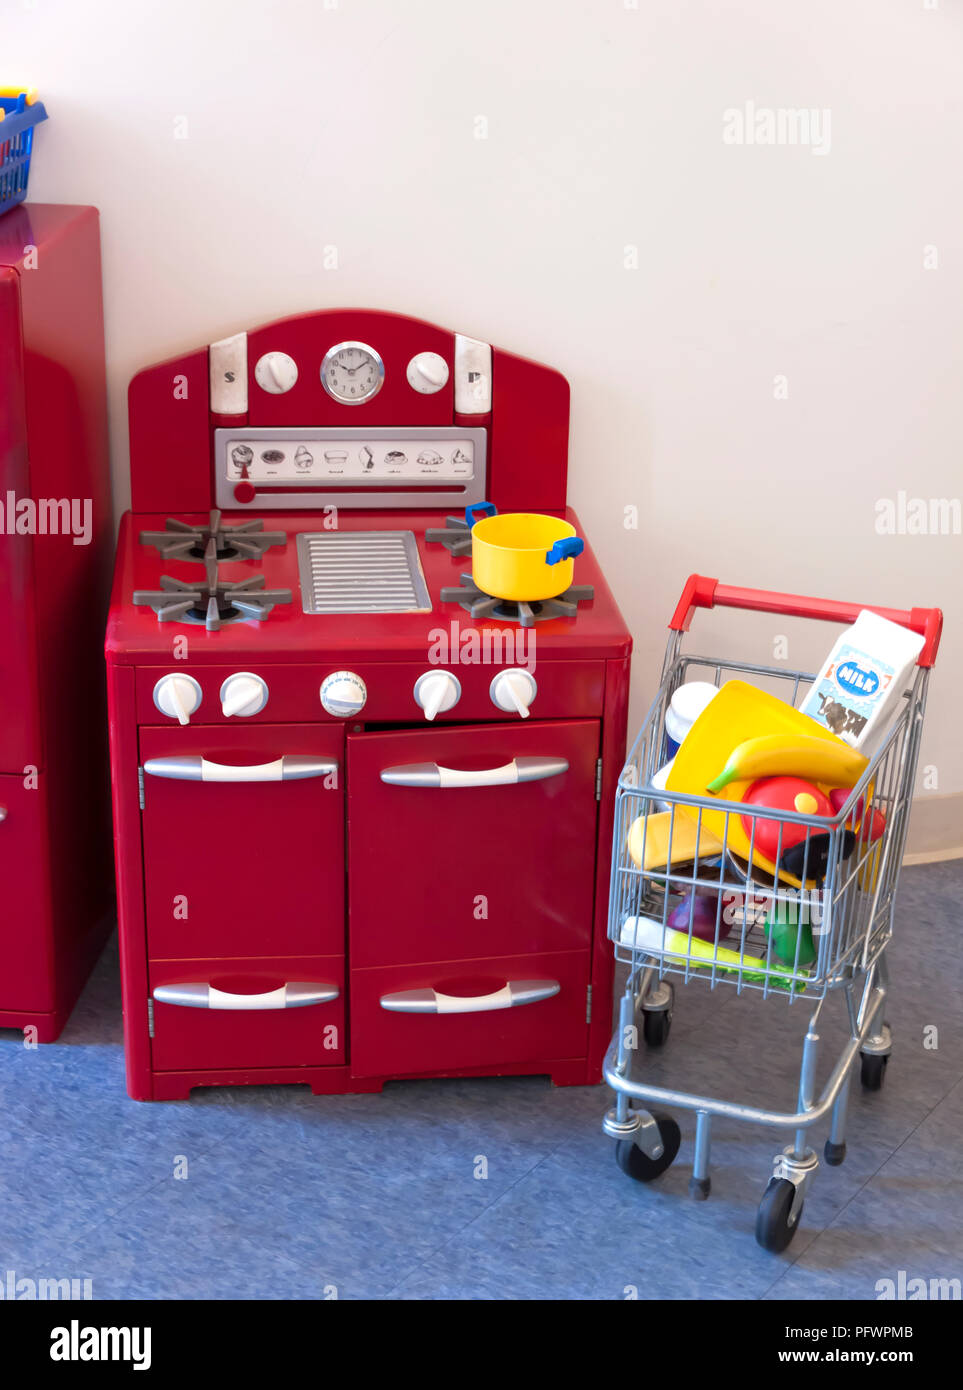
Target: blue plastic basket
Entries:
(16, 142)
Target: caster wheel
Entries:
(638, 1165)
(872, 1069)
(656, 1027)
(774, 1229)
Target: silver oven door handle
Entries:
(531, 769)
(294, 995)
(431, 1001)
(195, 768)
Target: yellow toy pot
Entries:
(521, 556)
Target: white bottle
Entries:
(860, 683)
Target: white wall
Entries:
(353, 124)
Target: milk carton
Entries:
(861, 681)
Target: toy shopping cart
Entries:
(786, 901)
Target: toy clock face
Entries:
(352, 373)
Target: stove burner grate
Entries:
(213, 603)
(481, 605)
(455, 535)
(180, 541)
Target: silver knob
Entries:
(178, 696)
(243, 694)
(513, 691)
(437, 691)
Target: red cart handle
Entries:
(700, 592)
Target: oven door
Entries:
(471, 842)
(243, 841)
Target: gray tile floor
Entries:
(501, 1188)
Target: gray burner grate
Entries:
(361, 572)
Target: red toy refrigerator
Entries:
(56, 540)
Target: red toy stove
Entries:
(362, 811)
(56, 537)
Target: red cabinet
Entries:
(471, 842)
(248, 1013)
(413, 1019)
(26, 957)
(243, 841)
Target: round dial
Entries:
(343, 694)
(513, 691)
(427, 373)
(352, 373)
(276, 373)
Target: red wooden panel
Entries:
(529, 435)
(258, 867)
(170, 442)
(385, 1043)
(19, 735)
(26, 964)
(189, 1039)
(457, 873)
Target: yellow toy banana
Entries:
(833, 763)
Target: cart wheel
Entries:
(656, 1026)
(872, 1069)
(774, 1229)
(638, 1165)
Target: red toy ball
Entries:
(783, 794)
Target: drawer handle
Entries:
(291, 767)
(432, 1001)
(431, 775)
(294, 995)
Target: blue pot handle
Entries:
(486, 509)
(566, 549)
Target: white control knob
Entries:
(243, 694)
(513, 691)
(427, 373)
(436, 692)
(343, 694)
(276, 372)
(178, 697)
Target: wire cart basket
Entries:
(693, 896)
(20, 112)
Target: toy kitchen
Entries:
(362, 803)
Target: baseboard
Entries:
(935, 829)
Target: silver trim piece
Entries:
(297, 994)
(228, 375)
(361, 572)
(313, 493)
(362, 347)
(193, 767)
(523, 769)
(3, 814)
(473, 376)
(432, 1001)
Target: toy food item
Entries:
(739, 712)
(802, 755)
(646, 934)
(877, 821)
(784, 938)
(703, 911)
(654, 832)
(688, 702)
(863, 678)
(797, 847)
